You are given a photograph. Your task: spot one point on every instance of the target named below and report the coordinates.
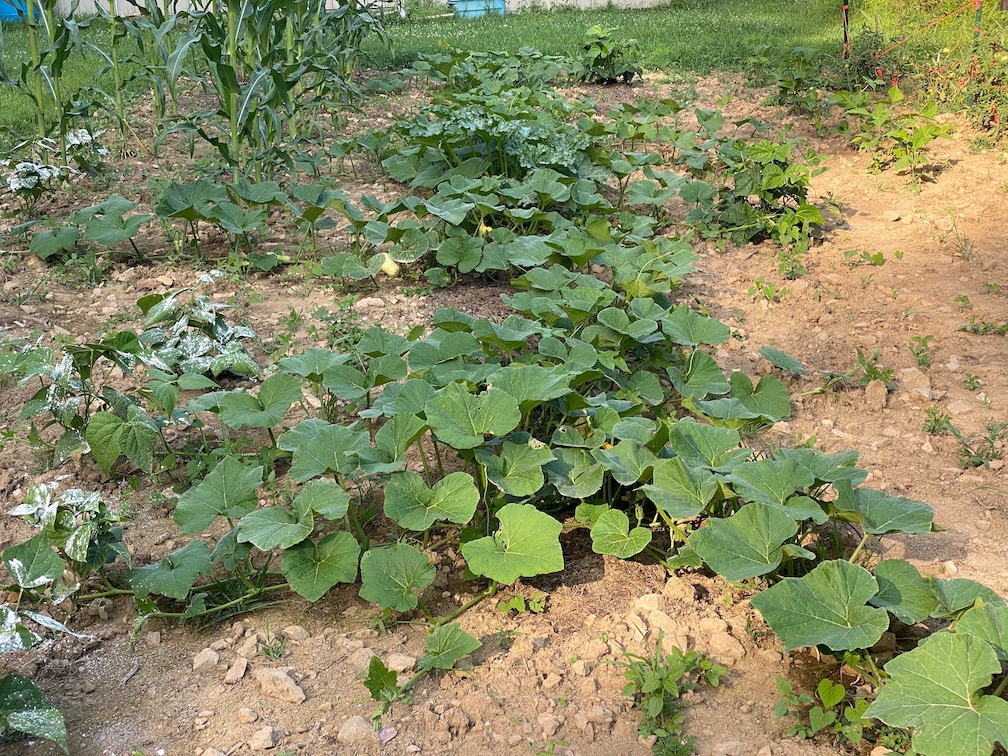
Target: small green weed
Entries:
(845, 723)
(990, 288)
(980, 449)
(520, 603)
(767, 290)
(918, 347)
(971, 382)
(871, 369)
(964, 246)
(275, 645)
(791, 261)
(984, 327)
(963, 302)
(936, 422)
(856, 257)
(656, 683)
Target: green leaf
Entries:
(518, 470)
(446, 645)
(531, 385)
(701, 377)
(782, 360)
(903, 591)
(273, 527)
(575, 473)
(989, 623)
(24, 709)
(391, 575)
(312, 364)
(414, 506)
(346, 382)
(628, 461)
(103, 435)
(313, 569)
(611, 534)
(830, 694)
(461, 419)
(276, 396)
(747, 544)
(54, 241)
(936, 690)
(174, 575)
(324, 498)
(680, 491)
(229, 490)
(960, 593)
(320, 447)
(879, 513)
(381, 682)
(688, 328)
(704, 445)
(768, 399)
(827, 606)
(33, 563)
(769, 481)
(526, 544)
(461, 252)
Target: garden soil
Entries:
(287, 679)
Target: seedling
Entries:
(656, 683)
(963, 302)
(767, 290)
(520, 604)
(275, 646)
(964, 246)
(971, 382)
(990, 288)
(845, 723)
(980, 449)
(936, 422)
(918, 347)
(856, 257)
(984, 327)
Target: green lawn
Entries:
(685, 36)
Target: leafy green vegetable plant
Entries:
(608, 59)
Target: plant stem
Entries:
(489, 592)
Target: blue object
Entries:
(477, 8)
(9, 9)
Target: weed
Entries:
(275, 645)
(607, 59)
(980, 449)
(845, 723)
(871, 369)
(791, 261)
(964, 246)
(984, 327)
(520, 603)
(918, 347)
(856, 257)
(971, 382)
(656, 682)
(936, 422)
(990, 288)
(767, 290)
(963, 302)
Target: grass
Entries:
(17, 111)
(697, 36)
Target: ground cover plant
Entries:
(595, 402)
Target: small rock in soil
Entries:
(279, 685)
(205, 659)
(731, 748)
(400, 662)
(360, 659)
(876, 395)
(594, 650)
(237, 671)
(296, 633)
(250, 647)
(263, 739)
(154, 638)
(247, 715)
(549, 724)
(725, 648)
(356, 731)
(915, 382)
